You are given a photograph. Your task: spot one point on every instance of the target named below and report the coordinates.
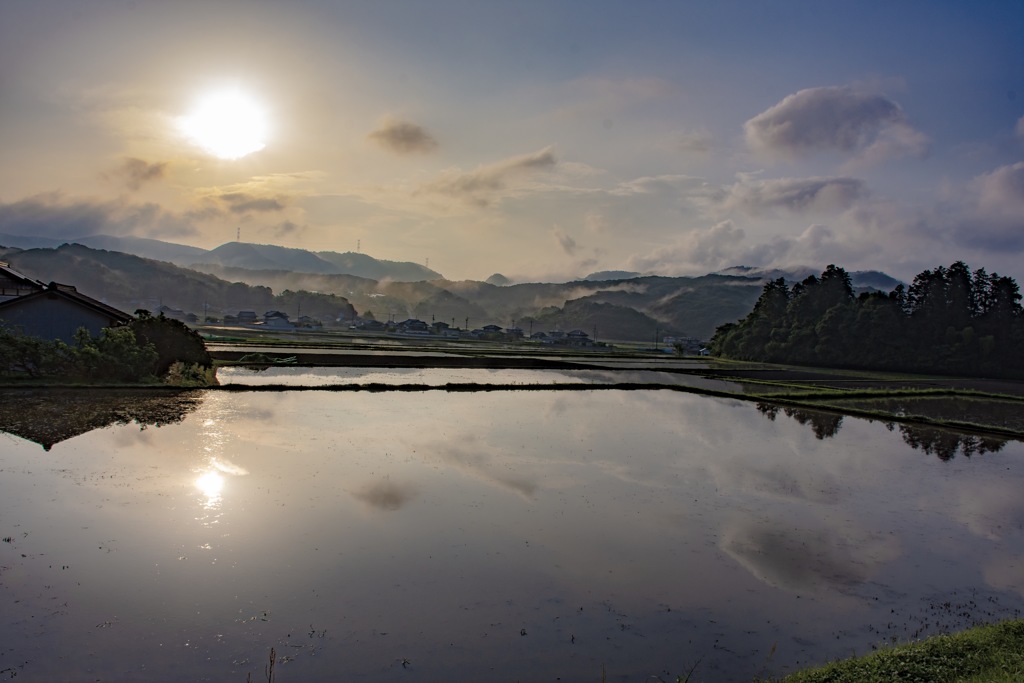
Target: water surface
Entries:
(489, 536)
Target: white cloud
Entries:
(705, 250)
(996, 221)
(648, 185)
(869, 126)
(487, 184)
(797, 195)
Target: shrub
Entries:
(174, 341)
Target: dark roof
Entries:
(71, 294)
(9, 276)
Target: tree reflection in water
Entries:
(942, 443)
(824, 425)
(946, 444)
(49, 416)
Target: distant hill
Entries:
(861, 280)
(601, 321)
(29, 242)
(623, 309)
(603, 275)
(352, 263)
(130, 282)
(267, 257)
(240, 255)
(179, 254)
(498, 280)
(678, 306)
(272, 257)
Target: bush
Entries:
(174, 341)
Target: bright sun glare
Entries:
(228, 124)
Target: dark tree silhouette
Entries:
(949, 320)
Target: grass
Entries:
(984, 654)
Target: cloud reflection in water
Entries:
(808, 559)
(386, 495)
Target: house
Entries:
(13, 284)
(173, 313)
(56, 311)
(246, 317)
(413, 326)
(277, 319)
(576, 338)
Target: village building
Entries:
(13, 284)
(56, 311)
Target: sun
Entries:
(227, 123)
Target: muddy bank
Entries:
(379, 360)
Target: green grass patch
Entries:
(985, 654)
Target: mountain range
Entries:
(241, 255)
(613, 305)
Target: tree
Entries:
(173, 340)
(949, 320)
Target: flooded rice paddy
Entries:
(532, 536)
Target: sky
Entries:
(543, 140)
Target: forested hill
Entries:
(130, 282)
(948, 321)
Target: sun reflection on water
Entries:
(214, 470)
(211, 484)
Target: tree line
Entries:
(949, 320)
(149, 348)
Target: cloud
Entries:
(996, 217)
(486, 184)
(403, 137)
(707, 250)
(53, 215)
(241, 202)
(1001, 192)
(287, 228)
(698, 141)
(797, 195)
(870, 126)
(567, 243)
(1019, 128)
(135, 172)
(648, 185)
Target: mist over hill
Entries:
(130, 282)
(241, 255)
(240, 276)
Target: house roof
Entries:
(12, 279)
(69, 293)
